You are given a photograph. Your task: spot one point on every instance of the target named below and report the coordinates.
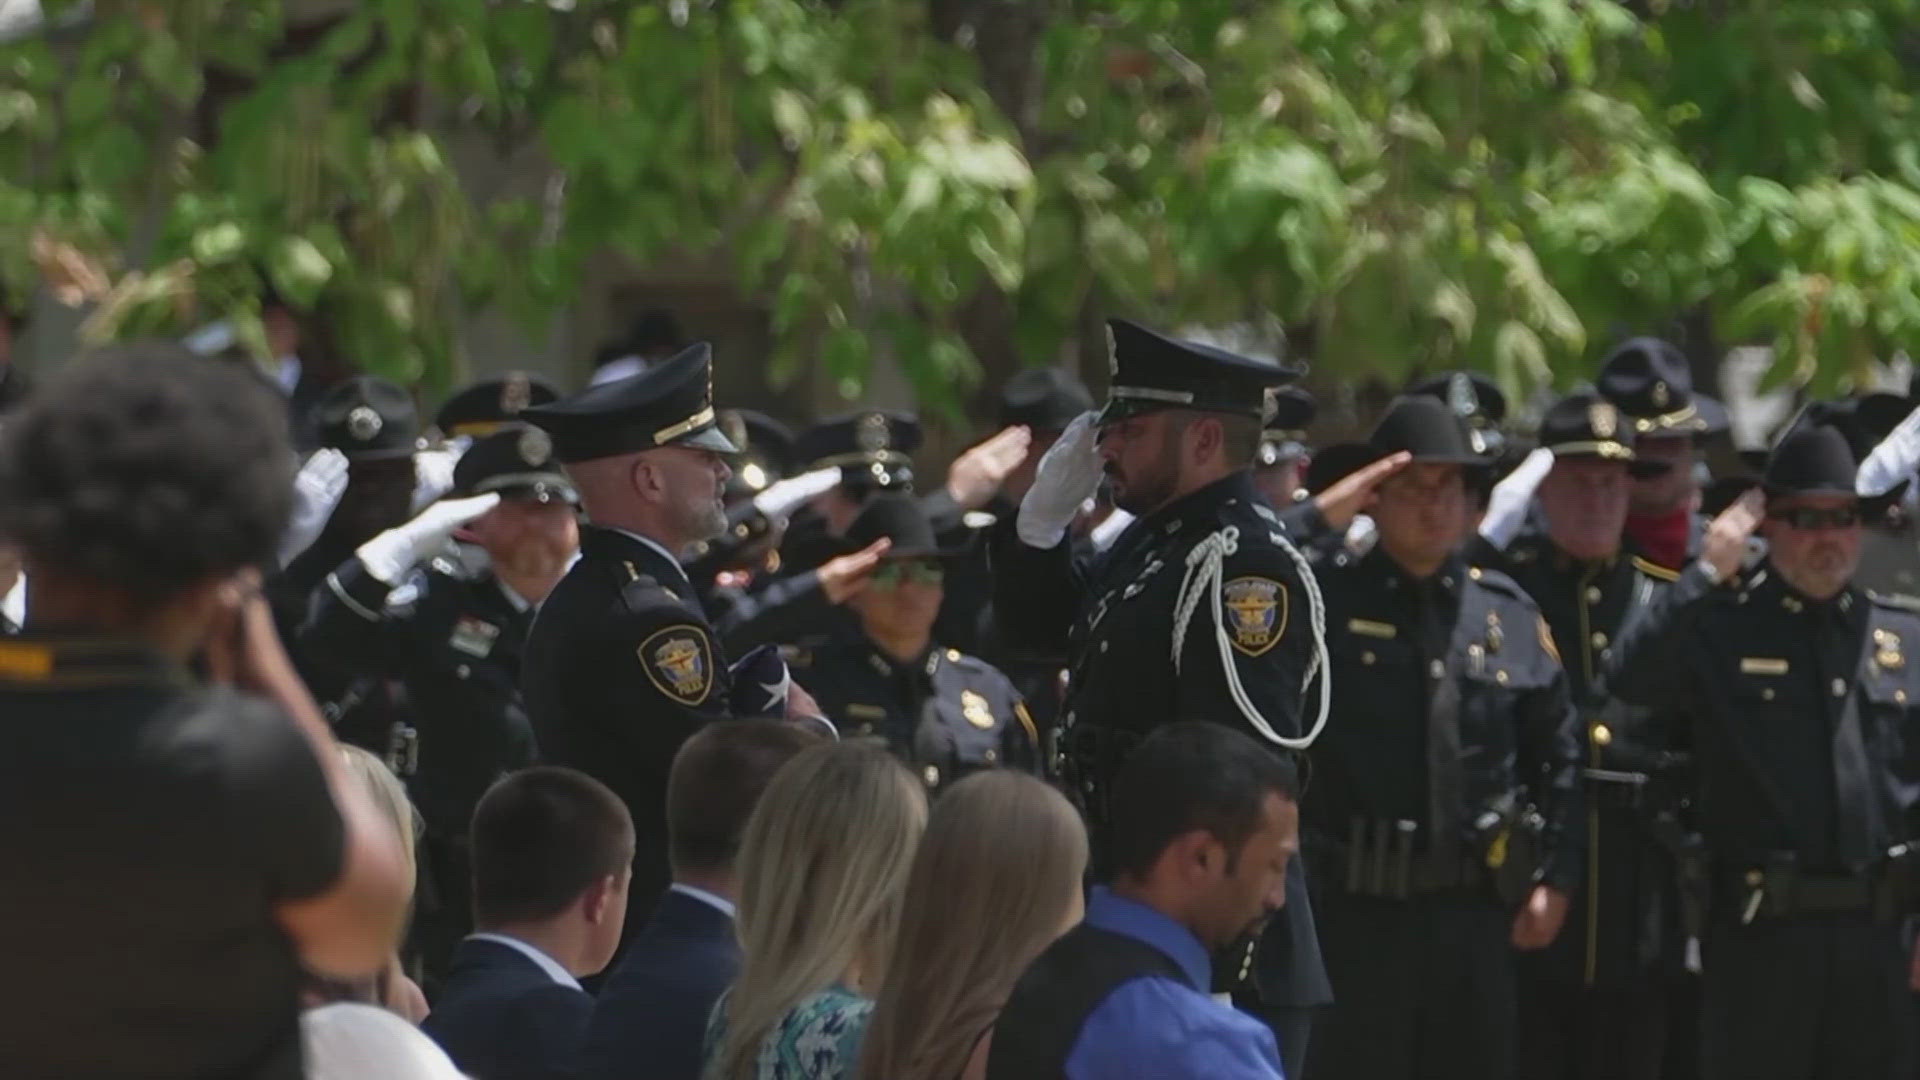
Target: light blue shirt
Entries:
(1165, 1029)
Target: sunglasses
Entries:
(1810, 518)
(890, 575)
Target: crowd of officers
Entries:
(1598, 787)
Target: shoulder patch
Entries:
(1655, 570)
(679, 662)
(1254, 612)
(1546, 640)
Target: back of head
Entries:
(822, 868)
(145, 470)
(390, 796)
(1192, 776)
(541, 838)
(997, 877)
(718, 777)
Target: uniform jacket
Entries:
(1111, 616)
(621, 667)
(947, 714)
(500, 1017)
(652, 1011)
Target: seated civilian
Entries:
(997, 879)
(652, 1012)
(823, 864)
(199, 843)
(1204, 821)
(552, 858)
(352, 1041)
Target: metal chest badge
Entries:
(1886, 650)
(974, 708)
(1254, 613)
(1495, 636)
(679, 662)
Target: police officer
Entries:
(621, 664)
(1594, 1003)
(1650, 381)
(945, 713)
(483, 407)
(1800, 695)
(1199, 609)
(448, 621)
(1443, 820)
(1280, 466)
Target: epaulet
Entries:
(1897, 601)
(1498, 581)
(646, 590)
(1655, 570)
(964, 662)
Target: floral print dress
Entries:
(818, 1039)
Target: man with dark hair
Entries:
(210, 842)
(652, 1013)
(552, 858)
(1205, 821)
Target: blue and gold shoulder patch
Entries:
(679, 663)
(1254, 612)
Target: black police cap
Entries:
(873, 448)
(368, 419)
(1588, 425)
(517, 461)
(1416, 424)
(1152, 371)
(1652, 382)
(483, 406)
(1043, 399)
(670, 404)
(1285, 434)
(1814, 459)
(899, 517)
(1471, 395)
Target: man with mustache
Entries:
(448, 621)
(1443, 825)
(1801, 705)
(1594, 1003)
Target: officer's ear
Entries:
(645, 478)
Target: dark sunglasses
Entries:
(1809, 518)
(891, 575)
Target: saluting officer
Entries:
(1280, 465)
(1802, 703)
(1594, 1003)
(943, 712)
(1198, 611)
(448, 620)
(1445, 797)
(1651, 381)
(621, 664)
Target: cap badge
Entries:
(1603, 419)
(535, 447)
(515, 395)
(1660, 394)
(871, 433)
(1460, 395)
(364, 422)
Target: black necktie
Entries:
(1445, 785)
(1856, 815)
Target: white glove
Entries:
(316, 491)
(390, 555)
(1507, 506)
(781, 496)
(1068, 476)
(433, 476)
(1892, 461)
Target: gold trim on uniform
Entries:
(1369, 628)
(1763, 665)
(1546, 640)
(665, 434)
(1655, 570)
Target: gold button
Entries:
(931, 774)
(991, 757)
(1474, 573)
(953, 654)
(1599, 640)
(1593, 594)
(1437, 669)
(1602, 735)
(1367, 658)
(1767, 694)
(1839, 688)
(1900, 696)
(1755, 877)
(866, 729)
(1500, 677)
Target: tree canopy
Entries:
(1505, 184)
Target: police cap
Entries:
(368, 419)
(871, 448)
(483, 406)
(1152, 371)
(667, 405)
(1651, 381)
(516, 461)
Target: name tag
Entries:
(866, 712)
(474, 637)
(1762, 665)
(1369, 628)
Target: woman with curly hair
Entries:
(179, 830)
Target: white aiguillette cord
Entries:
(1205, 565)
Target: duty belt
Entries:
(1779, 888)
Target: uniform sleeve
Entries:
(1642, 670)
(1553, 743)
(1037, 594)
(352, 626)
(664, 663)
(784, 611)
(1262, 611)
(281, 804)
(1023, 745)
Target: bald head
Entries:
(670, 494)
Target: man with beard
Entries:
(448, 621)
(1594, 1003)
(1799, 698)
(1443, 824)
(1200, 610)
(621, 664)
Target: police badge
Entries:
(679, 662)
(1254, 612)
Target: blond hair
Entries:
(992, 886)
(390, 796)
(823, 862)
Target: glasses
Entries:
(1809, 518)
(891, 575)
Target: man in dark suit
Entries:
(552, 856)
(652, 1012)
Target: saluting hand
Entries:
(1540, 919)
(1725, 545)
(976, 474)
(846, 577)
(1067, 476)
(1341, 502)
